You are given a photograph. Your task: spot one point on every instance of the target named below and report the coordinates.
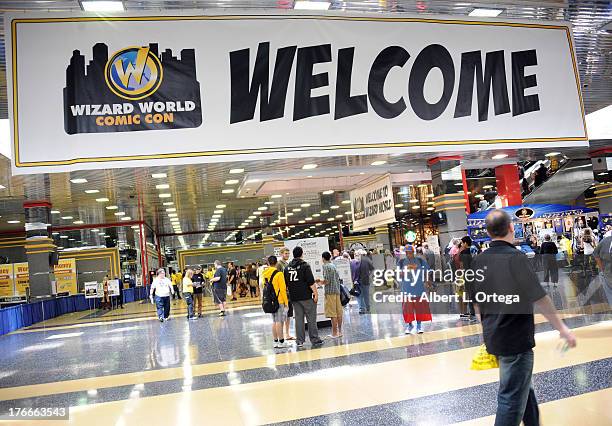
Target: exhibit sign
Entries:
(91, 289)
(136, 90)
(22, 278)
(6, 280)
(66, 276)
(373, 205)
(343, 266)
(113, 288)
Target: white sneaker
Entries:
(281, 345)
(408, 329)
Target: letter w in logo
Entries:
(137, 71)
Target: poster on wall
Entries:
(6, 280)
(113, 287)
(22, 278)
(373, 205)
(91, 289)
(66, 276)
(119, 90)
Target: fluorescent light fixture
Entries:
(251, 217)
(168, 203)
(487, 187)
(174, 219)
(330, 219)
(334, 207)
(311, 5)
(102, 200)
(399, 205)
(78, 180)
(216, 216)
(64, 237)
(257, 213)
(172, 215)
(227, 191)
(289, 214)
(552, 154)
(329, 191)
(102, 6)
(13, 221)
(348, 213)
(236, 171)
(297, 210)
(112, 207)
(231, 181)
(171, 210)
(276, 196)
(346, 202)
(338, 215)
(378, 163)
(220, 206)
(120, 214)
(126, 218)
(269, 203)
(2, 187)
(135, 227)
(162, 186)
(92, 191)
(483, 12)
(78, 222)
(302, 221)
(415, 207)
(324, 211)
(66, 217)
(309, 166)
(158, 175)
(165, 195)
(262, 208)
(499, 156)
(316, 215)
(218, 212)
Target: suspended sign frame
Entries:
(282, 85)
(373, 205)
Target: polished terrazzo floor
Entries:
(124, 367)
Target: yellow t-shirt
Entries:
(209, 275)
(280, 287)
(187, 285)
(177, 278)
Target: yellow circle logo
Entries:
(133, 73)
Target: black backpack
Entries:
(269, 298)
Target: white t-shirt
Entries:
(162, 287)
(588, 247)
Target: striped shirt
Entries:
(331, 277)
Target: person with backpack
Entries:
(281, 264)
(275, 301)
(304, 297)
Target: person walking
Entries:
(465, 260)
(162, 288)
(588, 244)
(414, 271)
(219, 281)
(333, 307)
(198, 289)
(252, 279)
(275, 277)
(177, 280)
(603, 257)
(281, 264)
(549, 251)
(508, 329)
(365, 269)
(304, 297)
(232, 279)
(188, 293)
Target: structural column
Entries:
(449, 188)
(602, 172)
(382, 236)
(508, 185)
(39, 247)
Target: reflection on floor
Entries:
(124, 367)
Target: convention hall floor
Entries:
(124, 367)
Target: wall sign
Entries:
(123, 91)
(6, 280)
(66, 276)
(373, 205)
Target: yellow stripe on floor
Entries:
(326, 391)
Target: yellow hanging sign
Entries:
(66, 276)
(6, 280)
(22, 278)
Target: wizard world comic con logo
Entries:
(135, 88)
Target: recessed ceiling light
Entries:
(257, 213)
(324, 211)
(126, 218)
(301, 221)
(236, 171)
(552, 154)
(171, 210)
(102, 200)
(330, 219)
(289, 214)
(159, 175)
(172, 215)
(102, 5)
(276, 196)
(165, 195)
(92, 191)
(347, 213)
(63, 237)
(329, 191)
(78, 180)
(13, 221)
(162, 186)
(216, 216)
(66, 217)
(55, 212)
(269, 203)
(346, 202)
(316, 215)
(311, 5)
(334, 207)
(227, 191)
(430, 208)
(111, 207)
(78, 222)
(174, 219)
(120, 214)
(338, 215)
(485, 12)
(231, 181)
(262, 208)
(499, 156)
(309, 166)
(297, 210)
(54, 233)
(168, 203)
(241, 226)
(414, 200)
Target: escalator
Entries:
(564, 186)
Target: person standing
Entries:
(304, 297)
(219, 281)
(281, 264)
(252, 279)
(177, 279)
(588, 243)
(430, 256)
(414, 271)
(603, 257)
(549, 251)
(333, 307)
(465, 259)
(198, 289)
(508, 329)
(188, 293)
(365, 269)
(232, 279)
(162, 288)
(105, 294)
(277, 279)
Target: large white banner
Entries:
(134, 90)
(373, 205)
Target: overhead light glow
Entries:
(329, 191)
(231, 181)
(126, 218)
(102, 6)
(55, 212)
(227, 191)
(378, 163)
(162, 186)
(552, 154)
(483, 12)
(120, 214)
(324, 211)
(102, 200)
(346, 202)
(158, 175)
(66, 217)
(236, 171)
(13, 221)
(276, 196)
(112, 207)
(262, 208)
(78, 180)
(311, 5)
(168, 203)
(334, 207)
(172, 215)
(92, 191)
(171, 210)
(78, 222)
(499, 156)
(309, 166)
(269, 203)
(220, 206)
(165, 195)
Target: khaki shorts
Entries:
(333, 307)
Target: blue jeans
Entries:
(364, 298)
(163, 306)
(516, 399)
(189, 300)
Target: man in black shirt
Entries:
(508, 328)
(304, 297)
(465, 258)
(198, 289)
(232, 278)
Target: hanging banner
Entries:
(6, 280)
(22, 278)
(120, 91)
(373, 205)
(66, 276)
